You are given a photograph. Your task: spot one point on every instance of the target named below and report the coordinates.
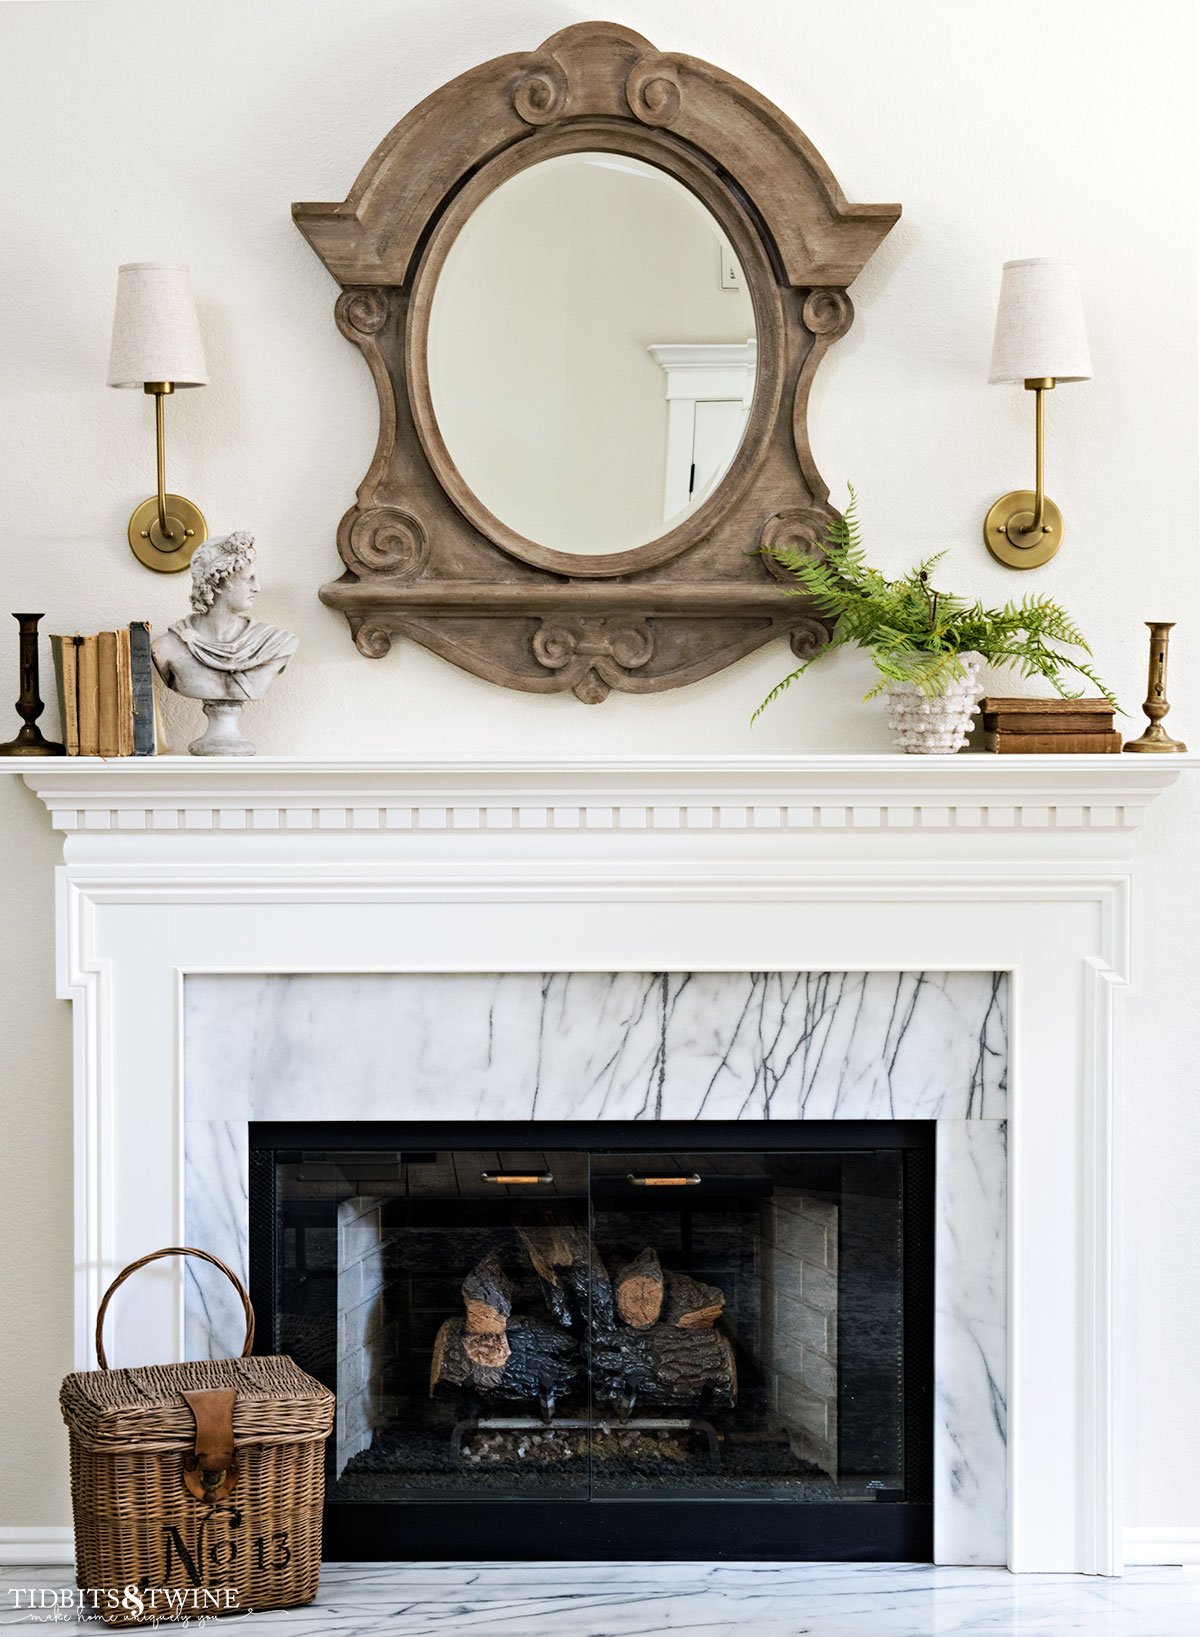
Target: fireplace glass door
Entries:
(622, 1325)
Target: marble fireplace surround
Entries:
(636, 1046)
(178, 873)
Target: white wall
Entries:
(154, 128)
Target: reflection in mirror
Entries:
(589, 361)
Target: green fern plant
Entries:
(916, 634)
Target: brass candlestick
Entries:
(1156, 737)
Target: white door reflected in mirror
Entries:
(588, 358)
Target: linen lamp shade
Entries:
(1040, 333)
(155, 334)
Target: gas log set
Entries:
(594, 1351)
(645, 1337)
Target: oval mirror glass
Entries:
(591, 353)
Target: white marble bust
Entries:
(220, 655)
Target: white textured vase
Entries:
(935, 727)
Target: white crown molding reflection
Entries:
(773, 794)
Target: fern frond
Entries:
(780, 688)
(915, 633)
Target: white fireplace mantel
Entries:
(1025, 865)
(968, 793)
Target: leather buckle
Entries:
(210, 1470)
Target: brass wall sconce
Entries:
(1040, 340)
(156, 346)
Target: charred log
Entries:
(664, 1365)
(574, 1280)
(543, 1361)
(488, 1349)
(487, 1292)
(691, 1305)
(638, 1288)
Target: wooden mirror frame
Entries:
(424, 557)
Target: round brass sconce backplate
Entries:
(167, 555)
(1004, 526)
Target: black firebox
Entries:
(615, 1340)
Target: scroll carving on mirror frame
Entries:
(593, 654)
(593, 356)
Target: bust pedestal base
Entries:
(223, 736)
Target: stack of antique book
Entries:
(1049, 727)
(106, 692)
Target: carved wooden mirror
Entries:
(592, 284)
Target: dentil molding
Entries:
(868, 792)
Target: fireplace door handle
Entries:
(663, 1182)
(508, 1179)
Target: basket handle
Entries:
(154, 1256)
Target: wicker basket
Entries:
(196, 1488)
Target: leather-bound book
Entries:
(1024, 715)
(1041, 722)
(124, 695)
(89, 703)
(107, 731)
(141, 668)
(63, 649)
(1052, 744)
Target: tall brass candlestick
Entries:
(30, 741)
(1156, 737)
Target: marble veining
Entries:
(695, 1600)
(638, 1046)
(600, 1045)
(971, 1343)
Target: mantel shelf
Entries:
(856, 791)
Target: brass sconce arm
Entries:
(1039, 388)
(1024, 528)
(165, 530)
(159, 390)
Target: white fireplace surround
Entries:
(823, 863)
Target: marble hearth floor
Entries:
(710, 1600)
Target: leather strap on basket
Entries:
(155, 1256)
(210, 1471)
